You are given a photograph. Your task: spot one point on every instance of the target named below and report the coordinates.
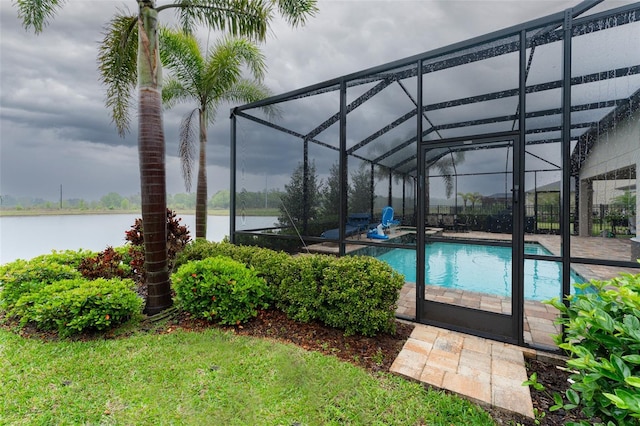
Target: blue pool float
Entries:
(373, 233)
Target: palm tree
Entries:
(465, 197)
(474, 198)
(129, 54)
(208, 81)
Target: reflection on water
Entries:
(28, 236)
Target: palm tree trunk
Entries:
(201, 191)
(151, 152)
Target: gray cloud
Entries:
(55, 129)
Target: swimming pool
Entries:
(481, 268)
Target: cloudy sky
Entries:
(55, 129)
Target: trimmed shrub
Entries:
(269, 264)
(299, 294)
(354, 293)
(359, 295)
(602, 338)
(75, 305)
(220, 289)
(201, 249)
(23, 277)
(65, 257)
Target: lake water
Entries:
(24, 237)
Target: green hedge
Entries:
(602, 338)
(299, 293)
(65, 257)
(359, 294)
(75, 305)
(355, 293)
(268, 264)
(220, 289)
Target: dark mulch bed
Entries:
(372, 353)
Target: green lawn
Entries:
(209, 377)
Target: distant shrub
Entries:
(23, 277)
(220, 289)
(76, 305)
(602, 338)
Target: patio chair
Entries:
(460, 225)
(356, 223)
(448, 222)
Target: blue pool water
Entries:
(480, 268)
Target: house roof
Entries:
(551, 187)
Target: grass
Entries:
(206, 377)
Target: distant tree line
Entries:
(114, 201)
(110, 201)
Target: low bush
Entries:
(201, 249)
(359, 295)
(65, 257)
(273, 242)
(75, 305)
(355, 293)
(602, 339)
(270, 265)
(220, 289)
(299, 293)
(23, 277)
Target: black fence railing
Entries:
(541, 219)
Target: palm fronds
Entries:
(187, 147)
(37, 13)
(117, 62)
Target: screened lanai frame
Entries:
(337, 105)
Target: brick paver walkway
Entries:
(482, 370)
